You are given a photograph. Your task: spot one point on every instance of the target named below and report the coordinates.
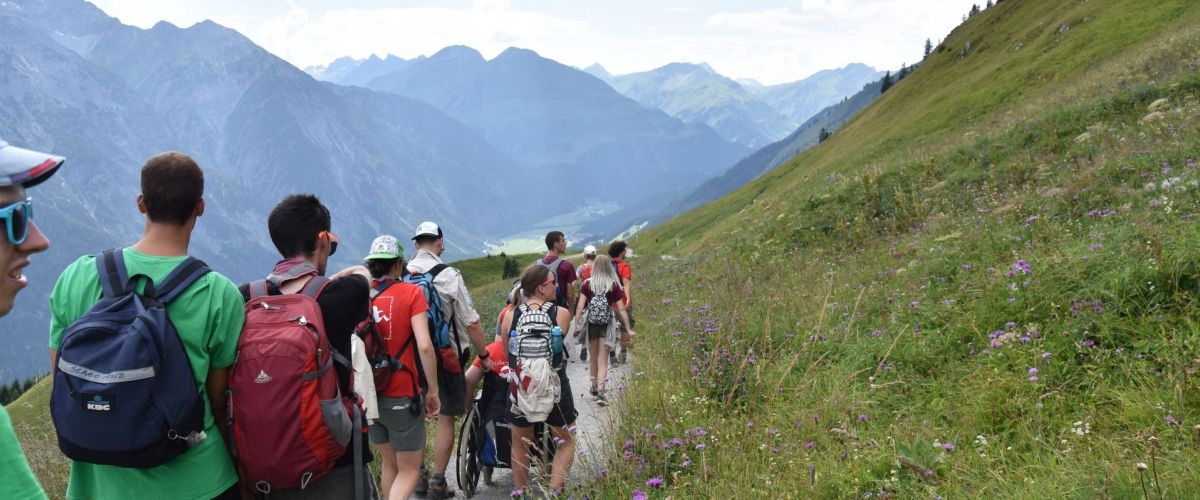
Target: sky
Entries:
(771, 41)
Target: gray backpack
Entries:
(599, 311)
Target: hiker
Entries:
(617, 251)
(603, 298)
(204, 319)
(20, 169)
(564, 271)
(495, 349)
(585, 272)
(278, 309)
(454, 324)
(536, 360)
(398, 315)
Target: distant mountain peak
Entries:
(597, 71)
(458, 52)
(517, 52)
(165, 26)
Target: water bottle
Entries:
(513, 350)
(556, 339)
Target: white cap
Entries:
(385, 248)
(428, 228)
(589, 250)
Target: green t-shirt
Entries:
(16, 480)
(208, 317)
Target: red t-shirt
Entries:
(496, 354)
(393, 311)
(585, 271)
(625, 273)
(614, 295)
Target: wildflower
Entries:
(949, 447)
(750, 424)
(517, 493)
(1031, 219)
(966, 267)
(639, 495)
(1012, 299)
(629, 444)
(1045, 355)
(1089, 342)
(1022, 267)
(666, 302)
(654, 482)
(701, 446)
(1097, 246)
(862, 417)
(810, 445)
(1142, 466)
(686, 463)
(1033, 371)
(1033, 378)
(1171, 420)
(700, 432)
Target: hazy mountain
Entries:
(598, 71)
(347, 71)
(801, 99)
(564, 123)
(695, 93)
(108, 96)
(745, 170)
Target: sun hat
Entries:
(26, 168)
(385, 248)
(428, 228)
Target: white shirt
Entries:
(456, 299)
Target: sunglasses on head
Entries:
(17, 217)
(333, 241)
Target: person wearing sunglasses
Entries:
(301, 229)
(207, 315)
(20, 169)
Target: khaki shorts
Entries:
(399, 425)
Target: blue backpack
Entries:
(439, 326)
(124, 393)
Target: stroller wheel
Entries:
(467, 456)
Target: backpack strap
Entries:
(315, 286)
(258, 289)
(184, 275)
(434, 271)
(114, 279)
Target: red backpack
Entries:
(289, 421)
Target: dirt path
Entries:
(590, 427)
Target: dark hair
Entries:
(426, 239)
(295, 223)
(532, 278)
(380, 267)
(552, 238)
(615, 248)
(172, 186)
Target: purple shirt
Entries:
(565, 275)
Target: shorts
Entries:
(563, 413)
(338, 484)
(452, 391)
(595, 332)
(398, 425)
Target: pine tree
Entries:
(974, 10)
(823, 135)
(887, 82)
(928, 47)
(511, 268)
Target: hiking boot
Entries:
(583, 354)
(602, 397)
(621, 359)
(438, 489)
(593, 391)
(422, 482)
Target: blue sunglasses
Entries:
(16, 220)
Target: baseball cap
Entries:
(385, 248)
(589, 250)
(23, 167)
(428, 228)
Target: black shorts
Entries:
(563, 413)
(452, 391)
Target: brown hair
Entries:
(532, 278)
(172, 186)
(380, 267)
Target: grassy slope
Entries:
(853, 322)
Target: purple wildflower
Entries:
(654, 482)
(750, 424)
(1089, 342)
(1033, 378)
(1033, 371)
(862, 417)
(686, 463)
(1022, 267)
(1045, 355)
(639, 495)
(666, 301)
(629, 444)
(1171, 420)
(949, 447)
(517, 493)
(810, 445)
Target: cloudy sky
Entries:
(772, 41)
